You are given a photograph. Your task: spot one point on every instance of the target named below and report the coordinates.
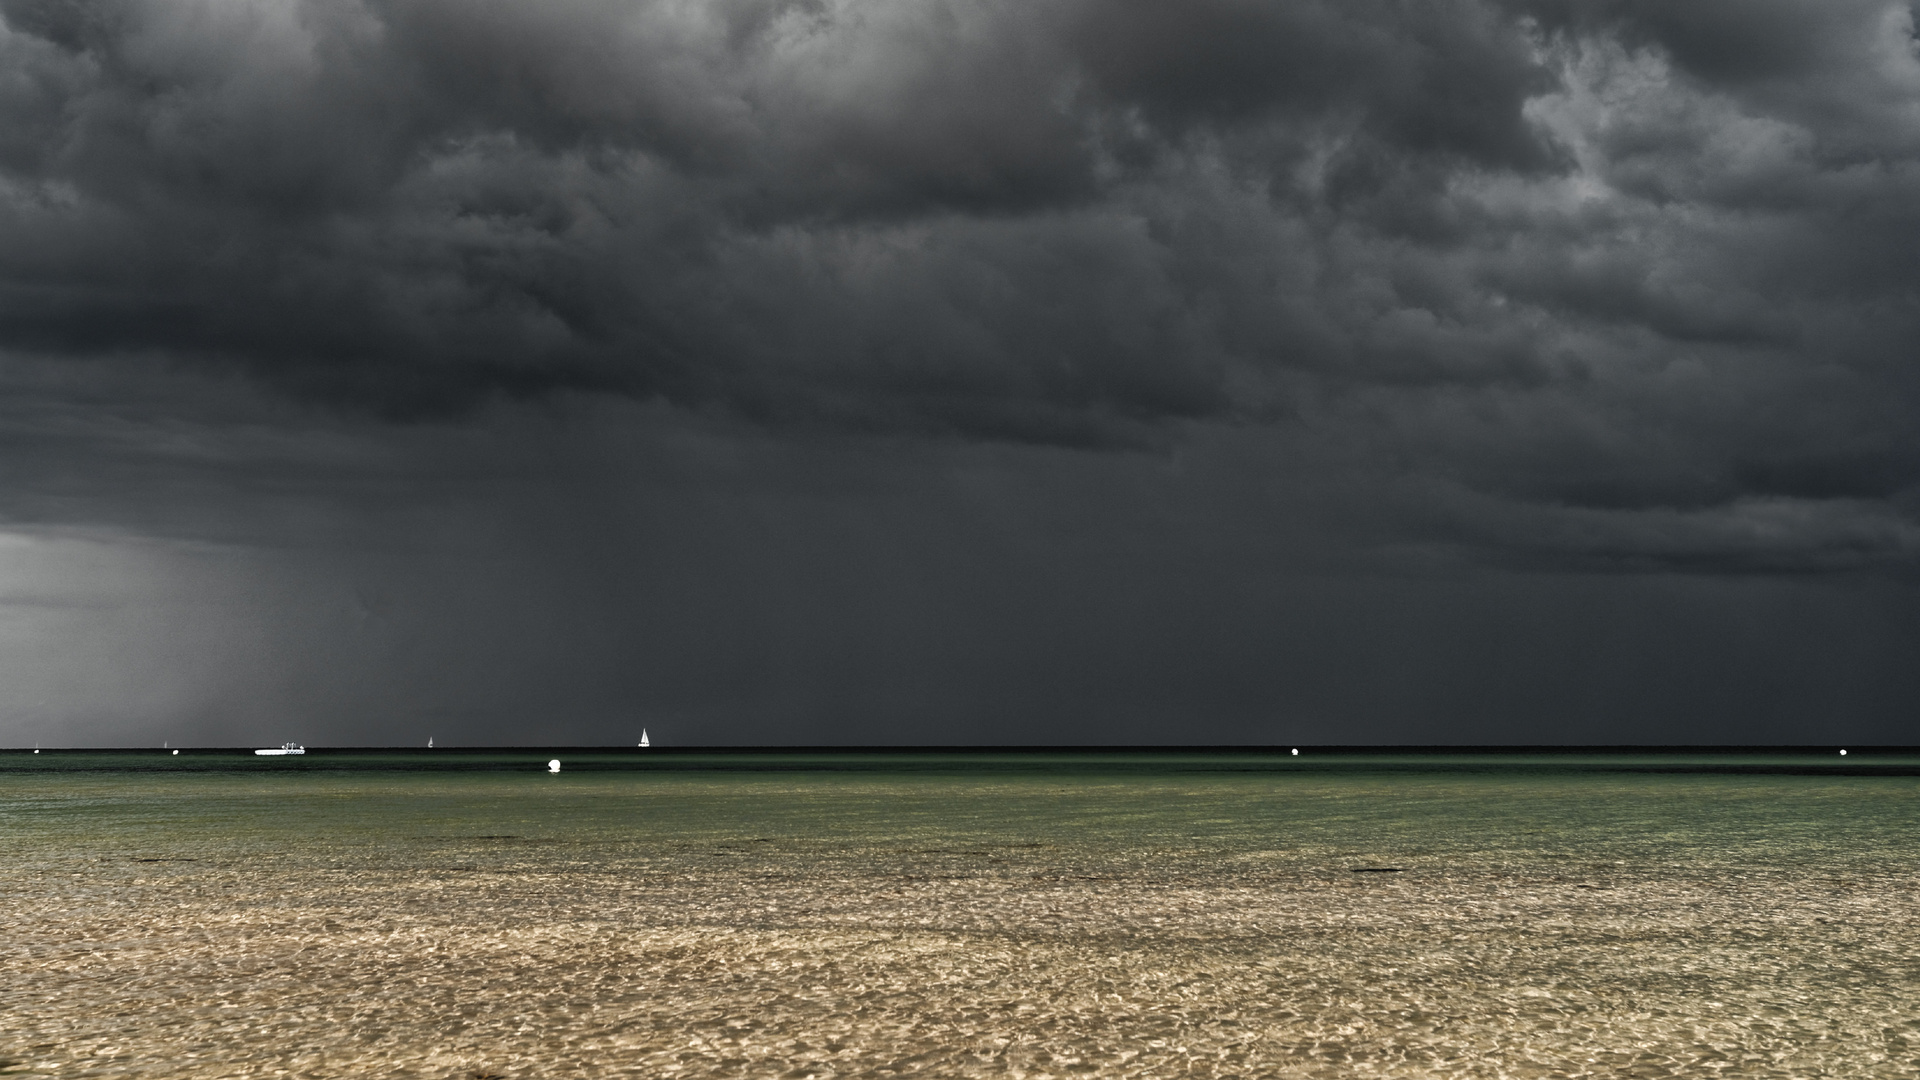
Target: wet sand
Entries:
(825, 950)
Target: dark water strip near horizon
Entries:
(1539, 761)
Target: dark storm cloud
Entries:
(1739, 43)
(788, 208)
(1599, 281)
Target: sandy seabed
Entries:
(777, 936)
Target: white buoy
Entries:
(176, 753)
(1296, 752)
(554, 765)
(1843, 753)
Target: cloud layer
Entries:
(1588, 287)
(984, 218)
(1651, 264)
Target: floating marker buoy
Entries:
(1843, 753)
(176, 753)
(554, 765)
(1296, 752)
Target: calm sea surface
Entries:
(352, 914)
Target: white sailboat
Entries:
(283, 750)
(644, 741)
(429, 742)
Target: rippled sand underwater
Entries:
(1162, 921)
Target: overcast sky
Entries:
(959, 371)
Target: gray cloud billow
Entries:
(1626, 284)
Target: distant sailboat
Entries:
(429, 742)
(285, 748)
(644, 741)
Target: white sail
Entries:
(644, 741)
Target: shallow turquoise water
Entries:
(1700, 810)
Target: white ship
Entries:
(285, 748)
(644, 741)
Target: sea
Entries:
(1210, 913)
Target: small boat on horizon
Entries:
(285, 748)
(644, 741)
